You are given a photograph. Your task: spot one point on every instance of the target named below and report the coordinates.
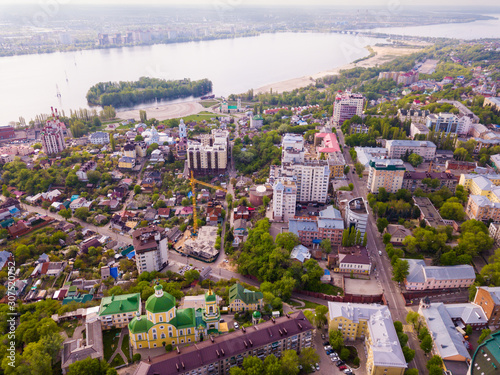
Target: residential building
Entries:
(164, 323)
(242, 299)
(118, 311)
(429, 181)
(219, 354)
(88, 166)
(493, 102)
(141, 149)
(354, 260)
(442, 320)
(397, 149)
(495, 160)
(494, 231)
(256, 122)
(80, 349)
(356, 215)
(367, 154)
(337, 163)
(347, 105)
(211, 160)
(479, 184)
(386, 173)
(423, 277)
(417, 128)
(327, 145)
(293, 150)
(53, 137)
(311, 177)
(129, 150)
(151, 249)
(482, 208)
(398, 233)
(202, 247)
(300, 253)
(428, 212)
(241, 212)
(156, 157)
(405, 78)
(486, 358)
(374, 324)
(99, 138)
(489, 299)
(126, 162)
(312, 230)
(7, 132)
(448, 123)
(284, 200)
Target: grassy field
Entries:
(309, 305)
(200, 116)
(125, 348)
(209, 103)
(69, 328)
(109, 341)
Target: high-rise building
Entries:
(449, 123)
(53, 137)
(346, 106)
(311, 177)
(386, 173)
(284, 200)
(151, 249)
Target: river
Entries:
(30, 83)
(470, 30)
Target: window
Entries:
(161, 318)
(139, 337)
(162, 336)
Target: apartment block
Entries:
(386, 173)
(346, 106)
(448, 123)
(52, 137)
(483, 208)
(151, 248)
(284, 200)
(423, 277)
(99, 138)
(479, 184)
(312, 230)
(396, 149)
(293, 150)
(367, 154)
(207, 159)
(374, 324)
(217, 355)
(489, 299)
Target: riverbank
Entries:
(382, 55)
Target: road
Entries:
(392, 292)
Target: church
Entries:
(165, 324)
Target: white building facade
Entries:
(284, 200)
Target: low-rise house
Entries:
(354, 259)
(118, 311)
(489, 299)
(241, 212)
(91, 346)
(164, 212)
(86, 167)
(5, 256)
(300, 253)
(242, 299)
(423, 277)
(113, 204)
(174, 234)
(79, 203)
(312, 230)
(99, 138)
(429, 181)
(18, 229)
(184, 211)
(86, 244)
(156, 157)
(126, 162)
(51, 196)
(151, 214)
(398, 233)
(240, 227)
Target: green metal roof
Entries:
(486, 359)
(156, 304)
(81, 298)
(140, 325)
(256, 314)
(237, 291)
(184, 318)
(258, 117)
(210, 297)
(124, 303)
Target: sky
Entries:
(371, 3)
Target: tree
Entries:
(321, 319)
(415, 160)
(139, 138)
(468, 329)
(336, 339)
(426, 344)
(326, 245)
(82, 213)
(112, 142)
(386, 238)
(308, 357)
(398, 326)
(137, 357)
(93, 177)
(344, 354)
(287, 240)
(435, 361)
(400, 270)
(253, 365)
(137, 189)
(310, 316)
(452, 211)
(290, 362)
(484, 333)
(191, 275)
(89, 366)
(365, 240)
(37, 146)
(412, 317)
(382, 223)
(411, 371)
(408, 353)
(143, 116)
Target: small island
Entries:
(129, 93)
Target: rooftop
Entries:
(419, 272)
(124, 303)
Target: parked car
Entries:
(348, 371)
(326, 343)
(317, 366)
(322, 336)
(328, 347)
(329, 351)
(236, 325)
(340, 363)
(343, 367)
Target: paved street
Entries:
(392, 292)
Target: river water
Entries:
(30, 84)
(470, 30)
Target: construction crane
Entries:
(193, 182)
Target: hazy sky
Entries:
(390, 3)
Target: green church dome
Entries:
(160, 301)
(256, 314)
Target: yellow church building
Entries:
(165, 324)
